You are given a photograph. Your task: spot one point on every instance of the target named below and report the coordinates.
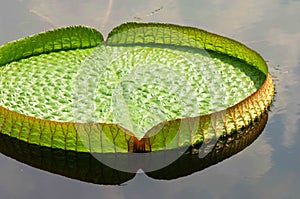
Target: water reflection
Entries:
(270, 169)
(288, 81)
(84, 167)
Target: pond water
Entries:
(268, 168)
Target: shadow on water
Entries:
(85, 167)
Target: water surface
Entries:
(269, 168)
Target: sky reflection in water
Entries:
(266, 169)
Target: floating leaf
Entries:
(148, 87)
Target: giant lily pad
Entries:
(147, 87)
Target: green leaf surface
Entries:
(69, 89)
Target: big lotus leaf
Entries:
(148, 87)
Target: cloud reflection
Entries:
(265, 26)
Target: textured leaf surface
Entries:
(138, 82)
